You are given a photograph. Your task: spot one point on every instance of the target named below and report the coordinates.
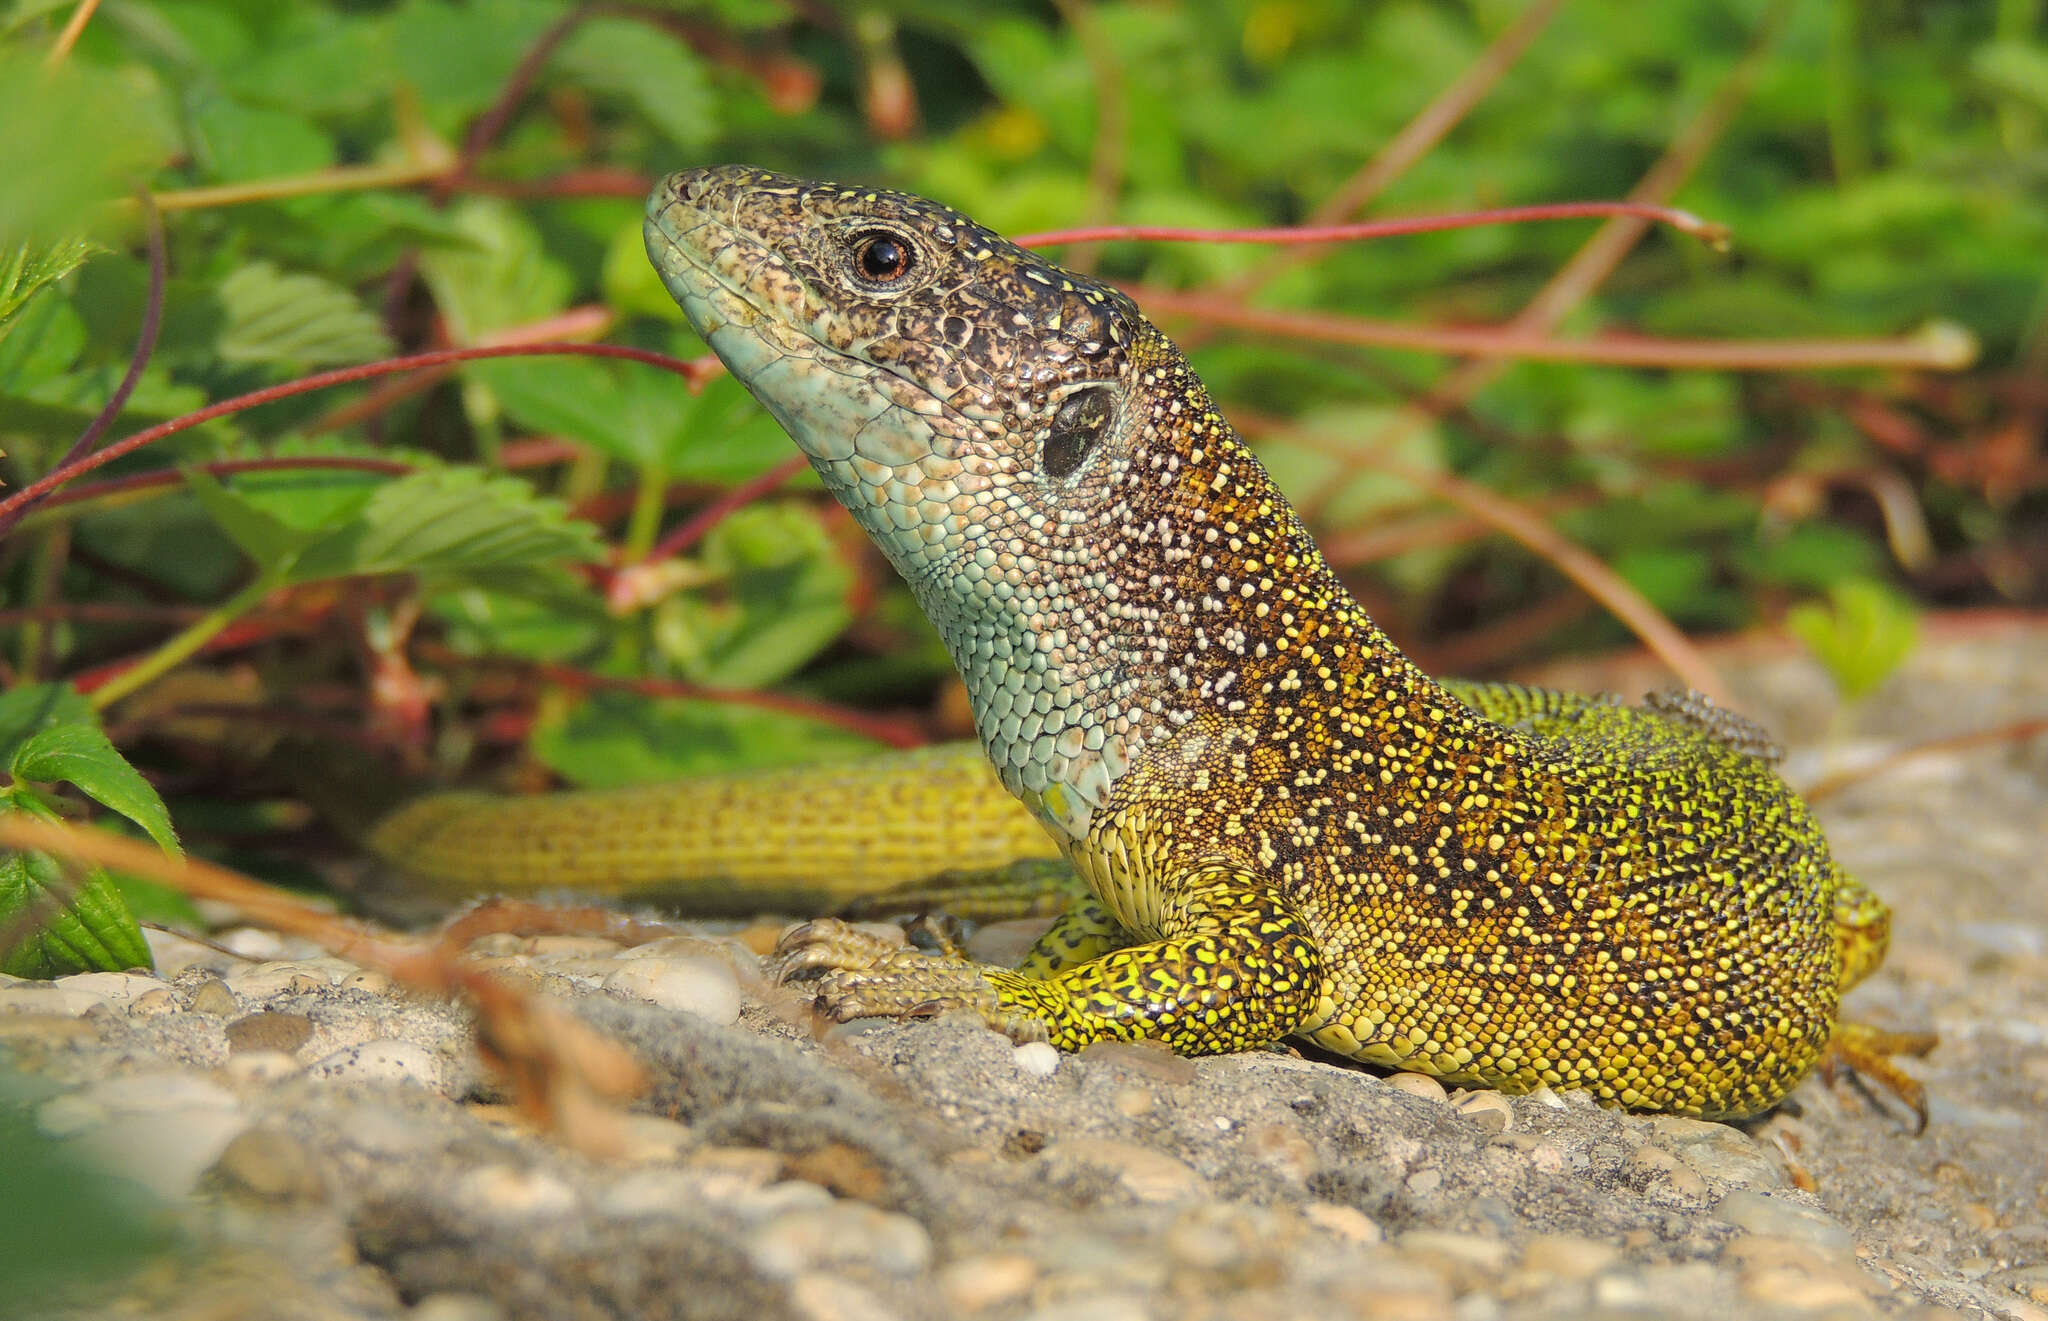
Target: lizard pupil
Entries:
(882, 258)
(1076, 427)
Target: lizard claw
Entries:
(1866, 1052)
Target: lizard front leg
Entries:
(1234, 967)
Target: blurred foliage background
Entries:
(450, 571)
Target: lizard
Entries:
(1282, 826)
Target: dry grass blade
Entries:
(2018, 731)
(567, 1079)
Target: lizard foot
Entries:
(1866, 1052)
(861, 975)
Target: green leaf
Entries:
(1862, 635)
(449, 522)
(30, 266)
(498, 275)
(301, 320)
(92, 931)
(616, 739)
(265, 538)
(81, 754)
(654, 71)
(77, 137)
(32, 708)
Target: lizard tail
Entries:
(798, 839)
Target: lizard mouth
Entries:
(696, 281)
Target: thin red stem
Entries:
(1683, 221)
(694, 372)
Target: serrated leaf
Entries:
(30, 266)
(92, 931)
(80, 754)
(77, 137)
(1863, 634)
(275, 316)
(448, 522)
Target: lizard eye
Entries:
(1077, 426)
(881, 257)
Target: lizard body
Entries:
(1287, 827)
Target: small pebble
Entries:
(155, 1004)
(1036, 1059)
(1659, 1170)
(252, 1068)
(1490, 1111)
(455, 1307)
(380, 1061)
(1418, 1084)
(830, 1296)
(1131, 1102)
(1568, 1256)
(506, 1193)
(1424, 1182)
(705, 987)
(212, 996)
(1144, 1175)
(840, 1234)
(974, 1284)
(269, 1030)
(270, 1164)
(1346, 1222)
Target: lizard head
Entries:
(946, 383)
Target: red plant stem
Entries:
(145, 345)
(1514, 341)
(1684, 221)
(693, 529)
(695, 373)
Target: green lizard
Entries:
(1284, 827)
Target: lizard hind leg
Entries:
(1863, 928)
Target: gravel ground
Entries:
(330, 1148)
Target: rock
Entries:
(382, 1061)
(974, 1284)
(1489, 1110)
(840, 1234)
(1762, 1213)
(1143, 1174)
(705, 987)
(155, 1004)
(262, 981)
(1794, 1273)
(269, 1030)
(455, 1307)
(1418, 1084)
(1036, 1059)
(271, 1164)
(1464, 1259)
(1424, 1182)
(212, 996)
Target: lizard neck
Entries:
(1193, 595)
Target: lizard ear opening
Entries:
(1082, 420)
